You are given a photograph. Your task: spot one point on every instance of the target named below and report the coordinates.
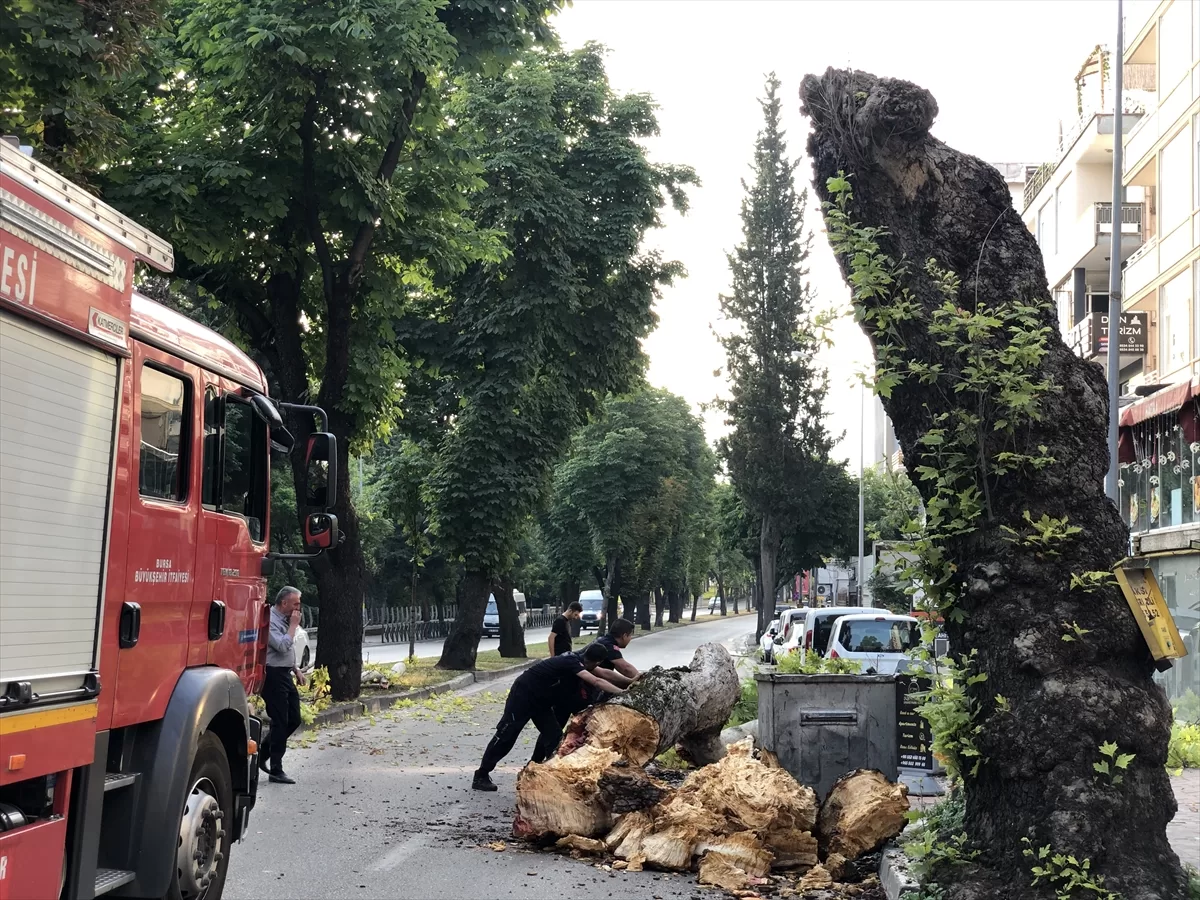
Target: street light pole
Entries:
(1114, 263)
(862, 440)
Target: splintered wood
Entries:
(735, 820)
(862, 812)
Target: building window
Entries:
(1174, 46)
(1045, 235)
(162, 455)
(1175, 182)
(1063, 201)
(1175, 319)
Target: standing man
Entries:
(560, 631)
(533, 697)
(279, 689)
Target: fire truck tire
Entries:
(206, 826)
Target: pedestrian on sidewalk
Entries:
(560, 631)
(279, 691)
(533, 697)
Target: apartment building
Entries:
(1067, 205)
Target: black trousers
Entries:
(522, 707)
(283, 708)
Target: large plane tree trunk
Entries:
(462, 644)
(512, 635)
(1048, 704)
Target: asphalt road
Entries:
(388, 653)
(384, 809)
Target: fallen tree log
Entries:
(684, 708)
(597, 773)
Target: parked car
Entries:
(714, 605)
(881, 643)
(491, 616)
(791, 626)
(302, 649)
(767, 641)
(593, 609)
(818, 626)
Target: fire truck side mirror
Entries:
(320, 460)
(320, 532)
(266, 411)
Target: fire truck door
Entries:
(234, 526)
(163, 523)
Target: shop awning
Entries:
(1168, 400)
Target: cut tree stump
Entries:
(862, 812)
(687, 707)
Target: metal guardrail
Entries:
(1037, 180)
(391, 624)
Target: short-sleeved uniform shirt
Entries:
(609, 643)
(550, 678)
(561, 629)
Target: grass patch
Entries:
(491, 660)
(669, 759)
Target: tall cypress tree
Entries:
(778, 448)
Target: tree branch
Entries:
(312, 217)
(387, 168)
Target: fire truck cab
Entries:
(135, 449)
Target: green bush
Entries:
(746, 709)
(1193, 877)
(1187, 707)
(1184, 750)
(812, 664)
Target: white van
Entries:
(880, 643)
(491, 617)
(593, 609)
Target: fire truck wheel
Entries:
(202, 858)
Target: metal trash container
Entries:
(822, 726)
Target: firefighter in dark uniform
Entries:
(616, 667)
(534, 696)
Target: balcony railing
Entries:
(1131, 214)
(1037, 180)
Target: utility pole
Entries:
(1114, 263)
(862, 441)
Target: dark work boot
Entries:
(483, 782)
(280, 777)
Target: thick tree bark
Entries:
(339, 575)
(768, 552)
(695, 605)
(629, 605)
(1063, 699)
(721, 591)
(512, 635)
(462, 643)
(660, 606)
(612, 589)
(643, 612)
(674, 606)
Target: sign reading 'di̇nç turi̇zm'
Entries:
(1131, 337)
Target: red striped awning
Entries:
(1168, 400)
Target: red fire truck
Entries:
(135, 451)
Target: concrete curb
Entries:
(895, 876)
(343, 712)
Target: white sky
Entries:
(1002, 72)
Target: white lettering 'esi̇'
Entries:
(18, 275)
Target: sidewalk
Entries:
(1184, 830)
